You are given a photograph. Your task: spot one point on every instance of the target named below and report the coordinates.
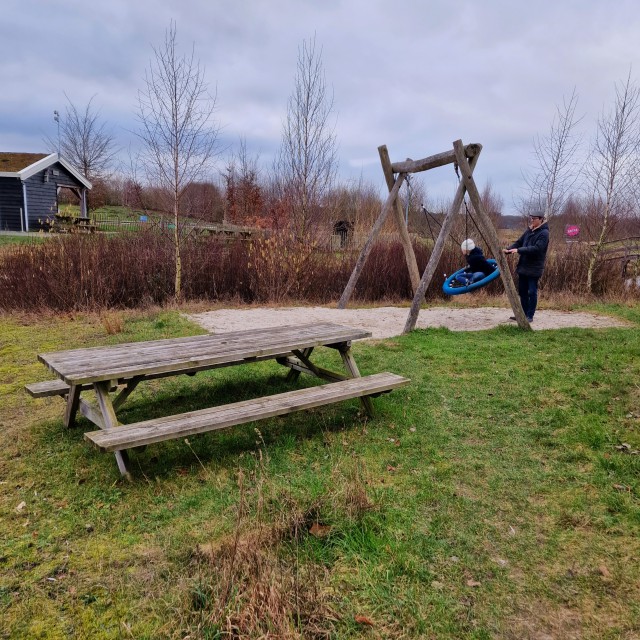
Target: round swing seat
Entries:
(452, 288)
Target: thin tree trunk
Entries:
(176, 243)
(595, 254)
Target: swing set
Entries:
(452, 285)
(464, 159)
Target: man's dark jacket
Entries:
(532, 249)
(477, 262)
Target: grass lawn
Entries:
(8, 240)
(497, 496)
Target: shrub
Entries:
(96, 272)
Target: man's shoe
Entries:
(530, 319)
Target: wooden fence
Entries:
(108, 223)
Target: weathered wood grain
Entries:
(179, 426)
(47, 388)
(438, 160)
(409, 254)
(153, 358)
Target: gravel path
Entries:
(386, 322)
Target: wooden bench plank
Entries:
(47, 388)
(51, 388)
(186, 424)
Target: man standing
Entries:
(532, 248)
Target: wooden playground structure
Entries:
(465, 158)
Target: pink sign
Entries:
(572, 230)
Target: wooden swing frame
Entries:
(466, 158)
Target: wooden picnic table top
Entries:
(72, 218)
(175, 355)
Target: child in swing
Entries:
(478, 266)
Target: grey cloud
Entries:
(414, 76)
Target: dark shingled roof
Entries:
(13, 162)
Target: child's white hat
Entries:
(468, 245)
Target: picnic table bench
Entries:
(67, 223)
(112, 373)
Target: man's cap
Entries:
(468, 245)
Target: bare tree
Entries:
(557, 166)
(85, 140)
(243, 191)
(612, 168)
(175, 112)
(307, 161)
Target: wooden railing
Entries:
(625, 249)
(70, 222)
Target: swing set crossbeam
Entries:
(438, 160)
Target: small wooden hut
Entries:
(29, 188)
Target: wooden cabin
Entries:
(29, 188)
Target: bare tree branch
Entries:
(557, 163)
(307, 161)
(175, 113)
(612, 168)
(85, 141)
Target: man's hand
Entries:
(507, 251)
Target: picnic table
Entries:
(67, 223)
(112, 373)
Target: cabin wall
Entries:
(10, 204)
(42, 199)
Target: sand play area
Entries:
(386, 322)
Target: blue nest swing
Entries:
(452, 289)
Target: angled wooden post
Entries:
(409, 254)
(366, 250)
(490, 236)
(109, 420)
(438, 247)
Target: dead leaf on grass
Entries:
(21, 506)
(621, 487)
(318, 530)
(473, 583)
(604, 572)
(364, 620)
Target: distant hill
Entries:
(511, 222)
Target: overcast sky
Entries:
(414, 75)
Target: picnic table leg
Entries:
(293, 375)
(120, 399)
(352, 368)
(73, 401)
(110, 420)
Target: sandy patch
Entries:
(386, 322)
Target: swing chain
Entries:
(467, 212)
(406, 211)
